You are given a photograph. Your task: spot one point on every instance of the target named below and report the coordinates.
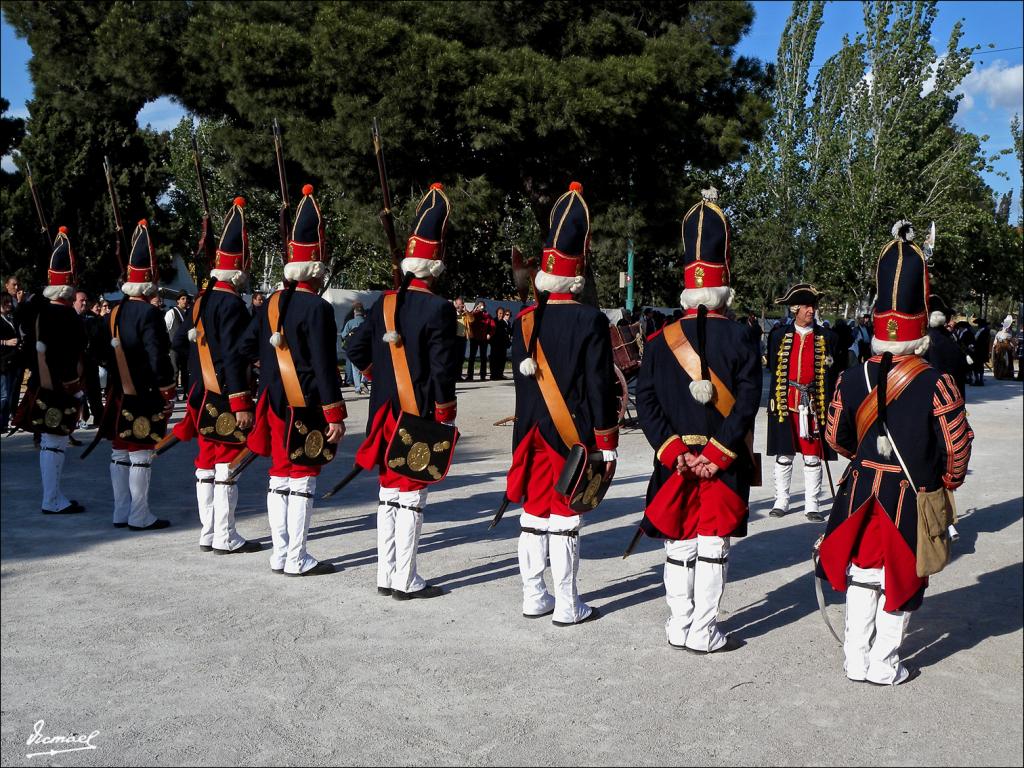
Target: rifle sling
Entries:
(400, 363)
(898, 380)
(285, 363)
(549, 390)
(127, 385)
(203, 347)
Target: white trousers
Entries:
(533, 559)
(130, 473)
(680, 569)
(299, 514)
(277, 514)
(204, 499)
(564, 551)
(708, 586)
(51, 469)
(225, 498)
(812, 482)
(399, 525)
(873, 635)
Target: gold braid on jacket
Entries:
(782, 376)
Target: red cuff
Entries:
(445, 411)
(607, 439)
(240, 401)
(670, 451)
(718, 454)
(335, 413)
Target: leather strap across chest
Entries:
(285, 362)
(203, 346)
(549, 390)
(688, 359)
(399, 361)
(899, 379)
(127, 385)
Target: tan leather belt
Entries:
(898, 380)
(205, 356)
(403, 378)
(687, 357)
(285, 363)
(127, 385)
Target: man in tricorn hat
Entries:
(944, 354)
(565, 395)
(804, 360)
(205, 338)
(408, 346)
(903, 426)
(56, 337)
(143, 379)
(698, 392)
(299, 414)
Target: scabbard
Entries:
(356, 469)
(241, 461)
(633, 542)
(167, 442)
(500, 513)
(95, 441)
(820, 595)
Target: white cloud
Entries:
(160, 114)
(7, 163)
(999, 86)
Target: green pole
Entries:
(629, 274)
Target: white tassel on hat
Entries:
(702, 391)
(528, 367)
(710, 194)
(884, 446)
(899, 225)
(40, 346)
(391, 337)
(276, 339)
(192, 334)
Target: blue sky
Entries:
(992, 92)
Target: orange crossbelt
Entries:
(898, 380)
(285, 363)
(127, 385)
(687, 357)
(205, 356)
(549, 390)
(403, 378)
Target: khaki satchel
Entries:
(936, 511)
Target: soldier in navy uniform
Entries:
(804, 359)
(697, 498)
(224, 318)
(61, 344)
(918, 438)
(307, 330)
(427, 324)
(944, 354)
(142, 336)
(573, 341)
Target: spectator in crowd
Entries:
(479, 327)
(982, 351)
(501, 340)
(104, 308)
(173, 319)
(257, 301)
(863, 336)
(647, 326)
(844, 336)
(96, 337)
(355, 376)
(12, 288)
(965, 339)
(156, 301)
(10, 358)
(460, 332)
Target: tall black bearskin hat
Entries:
(801, 294)
(142, 271)
(233, 256)
(424, 251)
(565, 250)
(901, 304)
(706, 244)
(306, 246)
(62, 274)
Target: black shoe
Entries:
(814, 516)
(320, 569)
(156, 525)
(120, 525)
(593, 616)
(249, 546)
(912, 674)
(203, 547)
(778, 512)
(386, 591)
(71, 509)
(420, 594)
(731, 644)
(539, 615)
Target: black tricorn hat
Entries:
(801, 294)
(937, 304)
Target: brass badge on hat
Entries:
(551, 262)
(891, 328)
(698, 276)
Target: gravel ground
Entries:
(179, 657)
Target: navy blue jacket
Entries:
(61, 330)
(146, 346)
